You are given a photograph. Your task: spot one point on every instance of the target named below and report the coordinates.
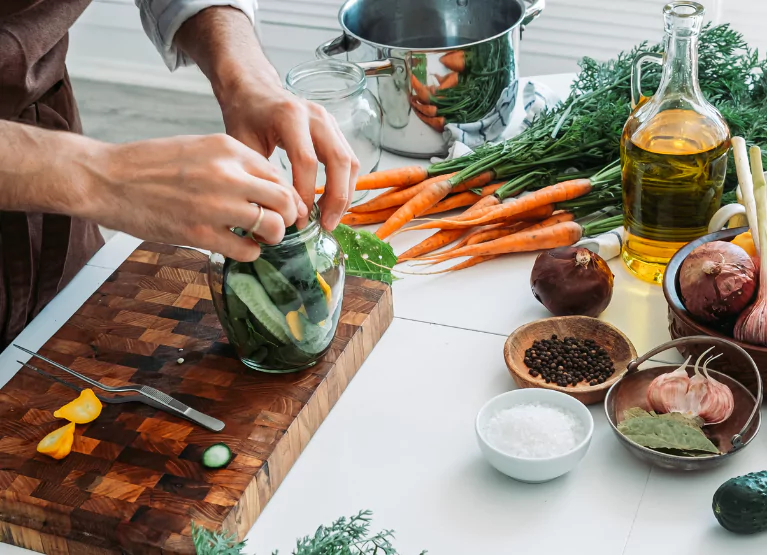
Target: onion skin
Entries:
(572, 281)
(717, 281)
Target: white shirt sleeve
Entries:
(163, 18)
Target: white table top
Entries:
(400, 441)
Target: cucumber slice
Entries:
(216, 456)
(296, 265)
(277, 286)
(252, 293)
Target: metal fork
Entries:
(147, 395)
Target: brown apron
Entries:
(39, 253)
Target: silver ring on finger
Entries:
(256, 226)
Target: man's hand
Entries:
(261, 114)
(183, 190)
(190, 191)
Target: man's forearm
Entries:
(44, 171)
(223, 44)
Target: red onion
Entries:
(571, 280)
(717, 282)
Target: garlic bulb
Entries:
(700, 396)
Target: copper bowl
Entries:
(682, 324)
(731, 436)
(613, 340)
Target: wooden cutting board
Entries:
(133, 482)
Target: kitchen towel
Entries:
(501, 123)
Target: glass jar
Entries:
(341, 87)
(281, 312)
(673, 152)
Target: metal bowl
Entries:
(732, 435)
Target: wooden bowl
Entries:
(682, 324)
(616, 344)
(730, 436)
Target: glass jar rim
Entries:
(301, 235)
(351, 73)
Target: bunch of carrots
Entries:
(498, 220)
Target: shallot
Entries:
(572, 280)
(717, 282)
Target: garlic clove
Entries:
(668, 389)
(696, 391)
(719, 404)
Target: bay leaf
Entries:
(667, 432)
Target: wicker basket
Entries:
(681, 323)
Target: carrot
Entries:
(428, 110)
(434, 242)
(474, 182)
(416, 206)
(560, 192)
(474, 260)
(448, 81)
(397, 177)
(424, 200)
(556, 219)
(366, 218)
(460, 200)
(455, 60)
(396, 197)
(420, 91)
(436, 123)
(495, 231)
(558, 235)
(492, 234)
(430, 244)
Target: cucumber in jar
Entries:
(250, 291)
(296, 265)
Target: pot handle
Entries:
(343, 44)
(737, 439)
(333, 47)
(533, 9)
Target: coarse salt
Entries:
(534, 431)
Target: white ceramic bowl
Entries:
(527, 469)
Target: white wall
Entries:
(109, 44)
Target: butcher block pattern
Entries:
(133, 482)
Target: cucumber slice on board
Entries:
(216, 456)
(277, 286)
(253, 294)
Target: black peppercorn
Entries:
(569, 361)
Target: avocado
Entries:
(740, 504)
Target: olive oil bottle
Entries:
(673, 152)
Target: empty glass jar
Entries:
(341, 87)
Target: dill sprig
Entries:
(345, 536)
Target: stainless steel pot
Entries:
(441, 62)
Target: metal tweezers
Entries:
(147, 395)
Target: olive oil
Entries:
(673, 173)
(673, 151)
